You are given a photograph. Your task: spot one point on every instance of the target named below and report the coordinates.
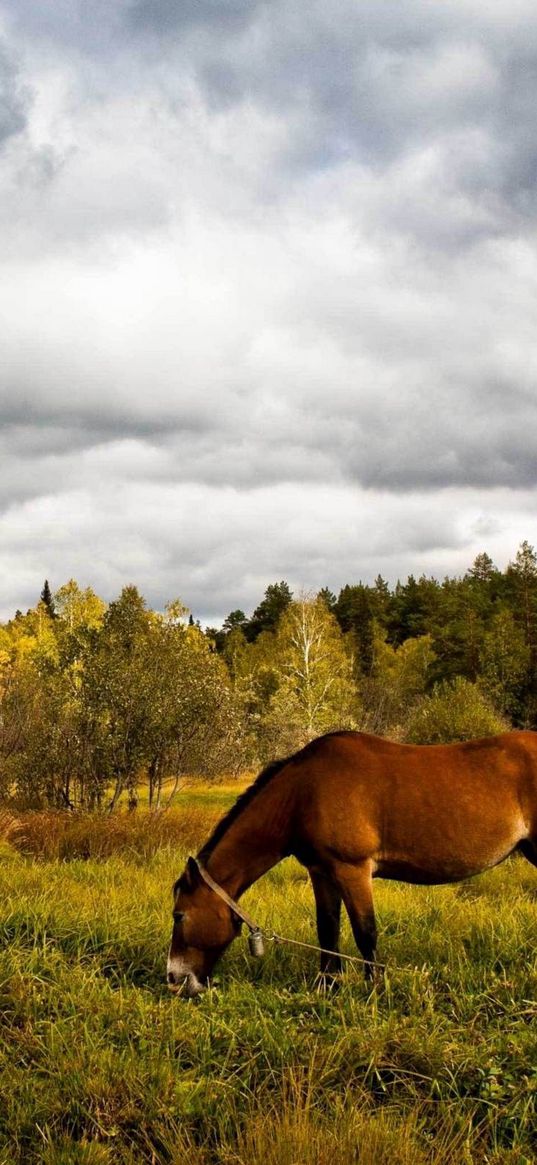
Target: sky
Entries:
(268, 293)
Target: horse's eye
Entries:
(178, 915)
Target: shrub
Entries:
(455, 710)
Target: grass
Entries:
(50, 835)
(100, 1066)
(57, 834)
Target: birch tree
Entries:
(315, 688)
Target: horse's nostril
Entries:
(171, 977)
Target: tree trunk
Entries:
(120, 785)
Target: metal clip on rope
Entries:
(256, 944)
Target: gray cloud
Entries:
(204, 544)
(69, 22)
(15, 98)
(376, 82)
(164, 16)
(268, 292)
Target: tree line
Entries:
(97, 699)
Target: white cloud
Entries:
(268, 306)
(194, 541)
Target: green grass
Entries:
(191, 791)
(99, 1064)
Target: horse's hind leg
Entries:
(355, 883)
(529, 849)
(328, 904)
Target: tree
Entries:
(504, 664)
(21, 718)
(235, 619)
(483, 569)
(416, 609)
(255, 673)
(118, 686)
(522, 575)
(267, 615)
(47, 600)
(355, 613)
(398, 677)
(315, 690)
(40, 742)
(78, 608)
(129, 695)
(158, 701)
(455, 710)
(328, 598)
(196, 722)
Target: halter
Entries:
(255, 938)
(257, 935)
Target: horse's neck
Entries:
(254, 842)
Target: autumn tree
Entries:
(398, 677)
(76, 608)
(504, 664)
(313, 673)
(196, 719)
(118, 683)
(455, 710)
(21, 721)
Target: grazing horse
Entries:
(353, 807)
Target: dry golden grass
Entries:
(63, 835)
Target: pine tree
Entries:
(267, 615)
(328, 598)
(483, 568)
(233, 620)
(47, 600)
(523, 576)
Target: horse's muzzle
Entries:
(186, 985)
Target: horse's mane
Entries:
(245, 798)
(260, 782)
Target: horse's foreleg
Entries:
(328, 904)
(355, 883)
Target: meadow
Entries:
(99, 1064)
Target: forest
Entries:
(99, 701)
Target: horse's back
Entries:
(438, 812)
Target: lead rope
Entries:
(279, 938)
(257, 934)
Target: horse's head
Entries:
(203, 926)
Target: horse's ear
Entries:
(193, 871)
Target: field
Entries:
(99, 1064)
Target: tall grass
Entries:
(65, 836)
(99, 1065)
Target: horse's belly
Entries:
(446, 847)
(430, 871)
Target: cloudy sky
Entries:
(268, 293)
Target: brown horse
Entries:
(351, 808)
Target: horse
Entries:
(352, 807)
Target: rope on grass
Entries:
(295, 942)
